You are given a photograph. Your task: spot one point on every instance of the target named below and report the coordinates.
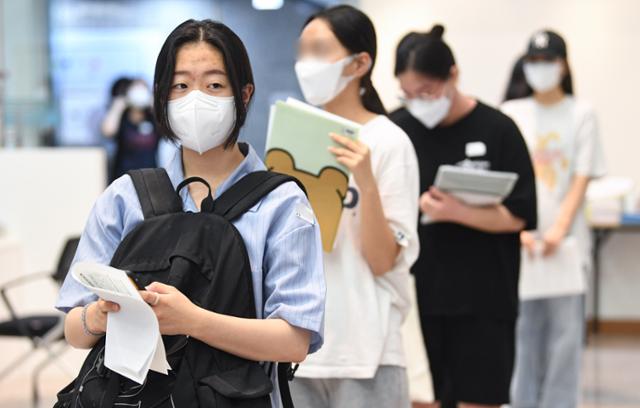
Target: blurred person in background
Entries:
(129, 122)
(562, 134)
(467, 272)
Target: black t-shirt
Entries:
(460, 270)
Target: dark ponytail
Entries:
(426, 53)
(370, 98)
(356, 33)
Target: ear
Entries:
(454, 73)
(360, 65)
(336, 178)
(247, 92)
(279, 160)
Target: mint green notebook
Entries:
(303, 131)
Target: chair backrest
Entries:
(66, 257)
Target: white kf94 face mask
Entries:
(321, 81)
(139, 96)
(429, 111)
(202, 122)
(543, 76)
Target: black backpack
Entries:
(203, 255)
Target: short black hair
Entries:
(120, 86)
(356, 33)
(236, 62)
(426, 53)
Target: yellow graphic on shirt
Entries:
(549, 159)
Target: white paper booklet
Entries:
(133, 343)
(559, 274)
(474, 187)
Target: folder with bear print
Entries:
(297, 145)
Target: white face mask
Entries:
(202, 122)
(322, 81)
(429, 111)
(543, 76)
(139, 96)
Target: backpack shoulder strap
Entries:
(155, 192)
(248, 191)
(286, 372)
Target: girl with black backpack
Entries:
(202, 90)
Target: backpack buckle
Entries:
(291, 371)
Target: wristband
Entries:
(83, 319)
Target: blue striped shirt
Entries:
(283, 244)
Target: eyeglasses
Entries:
(427, 92)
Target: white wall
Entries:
(2, 73)
(46, 195)
(603, 38)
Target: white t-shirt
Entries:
(563, 141)
(364, 313)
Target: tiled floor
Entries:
(611, 374)
(611, 377)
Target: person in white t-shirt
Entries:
(362, 363)
(562, 135)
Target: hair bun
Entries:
(437, 31)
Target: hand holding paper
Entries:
(133, 342)
(170, 306)
(558, 274)
(439, 206)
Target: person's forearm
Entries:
(379, 246)
(496, 219)
(111, 121)
(253, 339)
(572, 201)
(74, 333)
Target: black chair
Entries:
(45, 332)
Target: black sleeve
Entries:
(515, 158)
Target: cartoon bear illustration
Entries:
(326, 191)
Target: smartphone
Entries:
(134, 280)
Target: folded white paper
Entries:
(133, 343)
(559, 274)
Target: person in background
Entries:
(130, 123)
(562, 134)
(111, 120)
(467, 271)
(362, 362)
(117, 104)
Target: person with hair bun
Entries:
(467, 271)
(362, 363)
